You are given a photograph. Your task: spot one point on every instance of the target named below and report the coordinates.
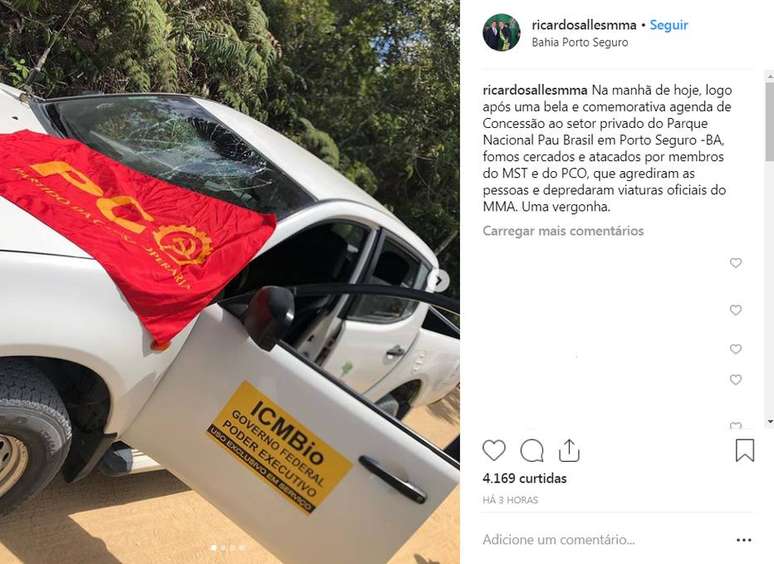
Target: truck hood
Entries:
(19, 231)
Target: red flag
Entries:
(168, 249)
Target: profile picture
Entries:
(502, 32)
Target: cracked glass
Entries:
(174, 139)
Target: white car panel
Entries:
(434, 360)
(14, 114)
(360, 357)
(20, 231)
(362, 520)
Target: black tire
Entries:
(32, 412)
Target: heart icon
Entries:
(736, 349)
(736, 262)
(736, 309)
(493, 449)
(735, 425)
(735, 379)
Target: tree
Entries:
(372, 88)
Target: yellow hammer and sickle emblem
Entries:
(179, 244)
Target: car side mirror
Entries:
(269, 316)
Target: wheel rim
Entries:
(13, 462)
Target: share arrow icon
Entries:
(569, 453)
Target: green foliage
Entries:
(25, 4)
(359, 173)
(19, 71)
(220, 49)
(382, 79)
(319, 143)
(372, 88)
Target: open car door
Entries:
(310, 469)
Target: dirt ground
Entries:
(156, 518)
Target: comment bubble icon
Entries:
(532, 450)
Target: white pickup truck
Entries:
(266, 403)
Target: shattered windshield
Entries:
(174, 139)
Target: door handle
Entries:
(397, 350)
(407, 489)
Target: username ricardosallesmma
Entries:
(589, 24)
(535, 90)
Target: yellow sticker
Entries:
(279, 449)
